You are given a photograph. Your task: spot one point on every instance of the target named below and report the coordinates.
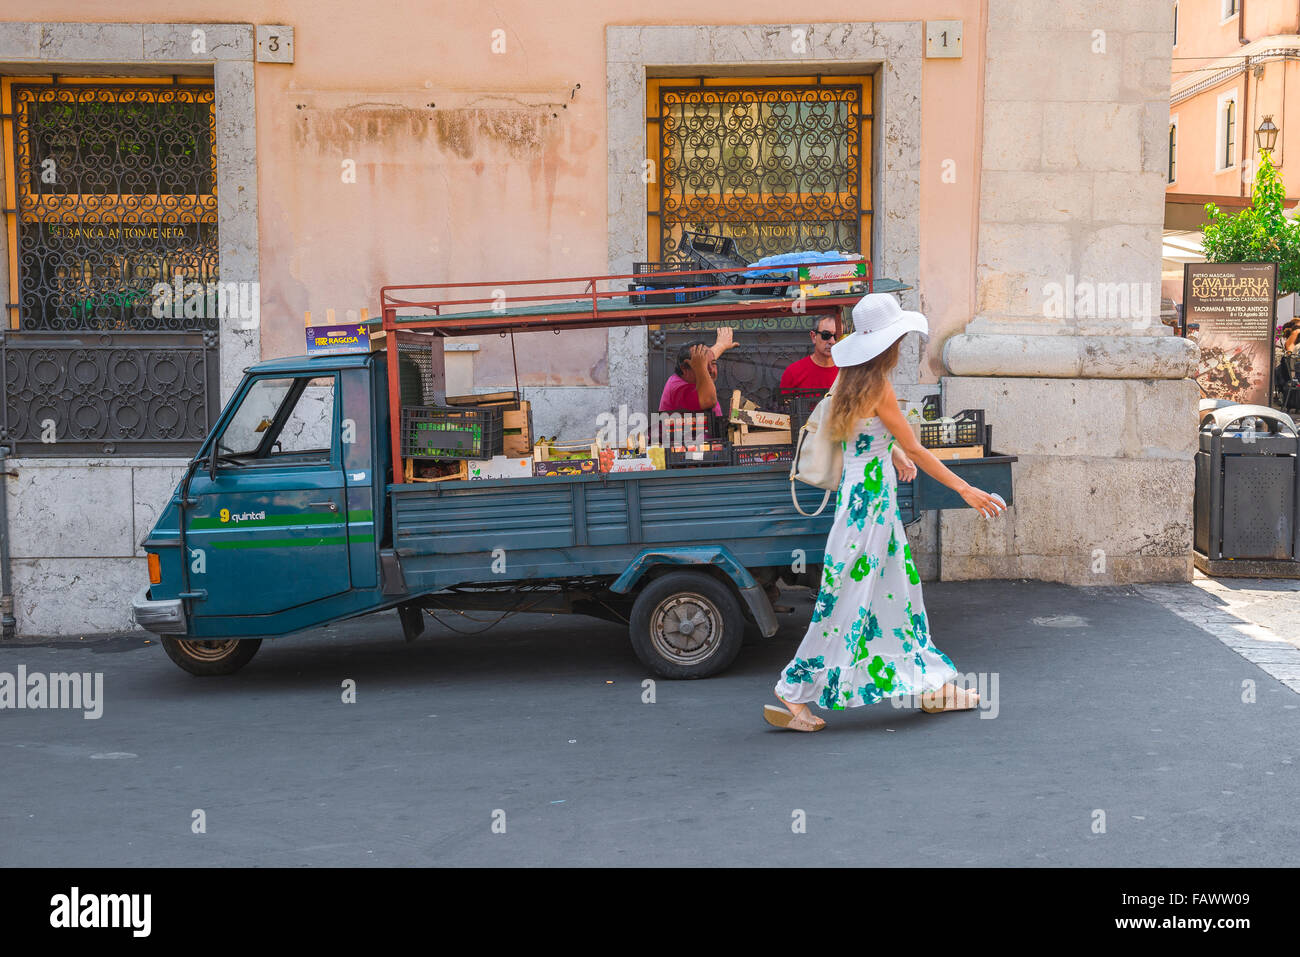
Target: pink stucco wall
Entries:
(505, 176)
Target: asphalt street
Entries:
(1111, 710)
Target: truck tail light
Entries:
(155, 569)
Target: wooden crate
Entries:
(517, 426)
(959, 452)
(758, 419)
(459, 470)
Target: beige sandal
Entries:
(954, 699)
(781, 718)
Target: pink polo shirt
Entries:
(680, 396)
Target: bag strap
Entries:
(794, 496)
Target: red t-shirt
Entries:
(680, 396)
(806, 374)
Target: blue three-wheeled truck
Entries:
(291, 515)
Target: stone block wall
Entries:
(75, 531)
(1065, 351)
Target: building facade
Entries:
(1234, 62)
(270, 160)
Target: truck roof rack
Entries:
(589, 302)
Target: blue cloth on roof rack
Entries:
(796, 259)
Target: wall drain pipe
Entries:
(8, 623)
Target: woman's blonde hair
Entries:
(858, 390)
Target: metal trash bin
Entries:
(1247, 492)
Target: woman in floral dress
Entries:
(869, 638)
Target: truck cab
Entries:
(275, 523)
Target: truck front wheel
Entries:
(219, 656)
(686, 625)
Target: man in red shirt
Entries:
(815, 372)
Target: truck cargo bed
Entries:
(448, 533)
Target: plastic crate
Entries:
(706, 453)
(677, 290)
(968, 429)
(719, 252)
(800, 404)
(436, 432)
(715, 252)
(762, 454)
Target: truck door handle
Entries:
(329, 505)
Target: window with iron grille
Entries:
(111, 198)
(778, 164)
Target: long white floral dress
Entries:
(869, 638)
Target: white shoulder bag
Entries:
(818, 459)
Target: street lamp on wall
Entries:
(1266, 135)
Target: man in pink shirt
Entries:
(693, 386)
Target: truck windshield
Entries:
(282, 418)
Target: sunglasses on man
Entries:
(826, 336)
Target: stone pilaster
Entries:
(1065, 351)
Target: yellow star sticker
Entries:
(361, 330)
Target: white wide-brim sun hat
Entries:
(878, 322)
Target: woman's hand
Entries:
(987, 505)
(903, 466)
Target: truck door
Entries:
(269, 532)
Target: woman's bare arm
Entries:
(891, 416)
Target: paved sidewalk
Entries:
(1110, 708)
(1257, 618)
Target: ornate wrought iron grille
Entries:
(142, 393)
(777, 168)
(113, 192)
(116, 191)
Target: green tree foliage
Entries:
(1259, 233)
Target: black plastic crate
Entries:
(676, 289)
(762, 454)
(800, 404)
(714, 453)
(761, 285)
(719, 253)
(967, 430)
(436, 432)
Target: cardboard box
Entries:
(501, 466)
(853, 273)
(566, 467)
(639, 463)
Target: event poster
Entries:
(1229, 310)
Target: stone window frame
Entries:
(157, 49)
(1221, 129)
(892, 50)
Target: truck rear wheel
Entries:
(217, 656)
(686, 625)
